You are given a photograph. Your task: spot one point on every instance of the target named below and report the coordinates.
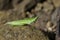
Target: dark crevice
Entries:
(53, 7)
(58, 30)
(40, 1)
(7, 5)
(19, 1)
(30, 6)
(50, 35)
(42, 8)
(26, 15)
(52, 11)
(52, 4)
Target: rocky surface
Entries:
(19, 9)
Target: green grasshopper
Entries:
(22, 22)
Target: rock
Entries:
(56, 3)
(21, 33)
